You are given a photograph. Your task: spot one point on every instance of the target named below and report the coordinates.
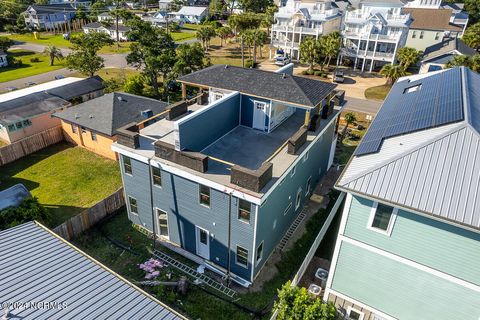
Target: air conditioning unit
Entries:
(322, 276)
(314, 290)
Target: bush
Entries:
(34, 59)
(28, 210)
(13, 62)
(319, 73)
(249, 64)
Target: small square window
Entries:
(127, 165)
(11, 127)
(19, 125)
(421, 35)
(204, 195)
(157, 176)
(242, 256)
(94, 136)
(74, 128)
(244, 208)
(259, 255)
(133, 205)
(27, 123)
(354, 314)
(382, 218)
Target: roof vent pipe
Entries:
(226, 66)
(284, 75)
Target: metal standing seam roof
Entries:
(38, 266)
(265, 84)
(435, 171)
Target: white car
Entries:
(282, 60)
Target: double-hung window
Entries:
(127, 165)
(133, 205)
(244, 208)
(204, 195)
(242, 256)
(157, 176)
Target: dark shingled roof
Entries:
(265, 84)
(110, 112)
(52, 8)
(79, 88)
(29, 106)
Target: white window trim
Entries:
(261, 256)
(123, 166)
(287, 208)
(297, 205)
(209, 196)
(250, 213)
(308, 187)
(292, 173)
(130, 205)
(350, 309)
(157, 209)
(305, 157)
(161, 180)
(393, 217)
(236, 257)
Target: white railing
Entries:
(359, 15)
(285, 43)
(295, 29)
(362, 53)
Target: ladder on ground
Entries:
(194, 274)
(292, 229)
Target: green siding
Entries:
(439, 245)
(401, 291)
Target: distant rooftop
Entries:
(447, 47)
(270, 85)
(39, 266)
(13, 196)
(431, 19)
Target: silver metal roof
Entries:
(37, 266)
(435, 171)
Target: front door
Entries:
(259, 115)
(203, 243)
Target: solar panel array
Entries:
(437, 101)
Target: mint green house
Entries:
(409, 239)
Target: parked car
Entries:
(10, 89)
(282, 60)
(338, 76)
(29, 84)
(59, 76)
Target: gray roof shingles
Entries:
(447, 47)
(108, 113)
(38, 266)
(79, 88)
(264, 84)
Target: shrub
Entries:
(34, 59)
(28, 210)
(318, 73)
(13, 62)
(249, 64)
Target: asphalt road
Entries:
(362, 105)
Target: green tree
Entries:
(475, 63)
(473, 9)
(309, 52)
(392, 72)
(408, 57)
(350, 118)
(11, 10)
(81, 14)
(224, 32)
(216, 7)
(97, 8)
(258, 6)
(205, 34)
(53, 53)
(295, 303)
(269, 17)
(330, 46)
(5, 43)
(153, 52)
(190, 58)
(84, 57)
(465, 61)
(176, 5)
(472, 35)
(135, 84)
(243, 22)
(28, 210)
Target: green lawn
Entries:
(42, 38)
(28, 68)
(65, 179)
(378, 92)
(197, 304)
(182, 36)
(192, 27)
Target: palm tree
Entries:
(309, 52)
(472, 35)
(53, 53)
(392, 72)
(408, 56)
(459, 61)
(244, 22)
(330, 46)
(350, 118)
(269, 18)
(205, 34)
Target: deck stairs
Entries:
(283, 243)
(194, 274)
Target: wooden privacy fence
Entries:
(89, 217)
(26, 146)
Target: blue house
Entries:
(409, 240)
(41, 17)
(222, 176)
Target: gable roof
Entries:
(434, 171)
(37, 264)
(52, 8)
(112, 111)
(447, 47)
(191, 11)
(98, 25)
(265, 84)
(431, 19)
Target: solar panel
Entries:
(416, 105)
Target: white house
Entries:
(373, 33)
(106, 16)
(110, 30)
(164, 5)
(190, 14)
(3, 59)
(299, 20)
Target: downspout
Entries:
(229, 235)
(151, 201)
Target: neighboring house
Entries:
(107, 16)
(75, 3)
(190, 14)
(458, 17)
(48, 16)
(28, 111)
(13, 196)
(160, 19)
(429, 27)
(111, 30)
(409, 237)
(165, 5)
(437, 56)
(94, 124)
(299, 20)
(373, 33)
(3, 59)
(221, 180)
(66, 282)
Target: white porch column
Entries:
(395, 52)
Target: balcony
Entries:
(285, 44)
(358, 16)
(371, 36)
(352, 52)
(295, 29)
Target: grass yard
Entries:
(42, 38)
(65, 179)
(111, 73)
(191, 26)
(183, 36)
(378, 92)
(197, 304)
(231, 54)
(28, 68)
